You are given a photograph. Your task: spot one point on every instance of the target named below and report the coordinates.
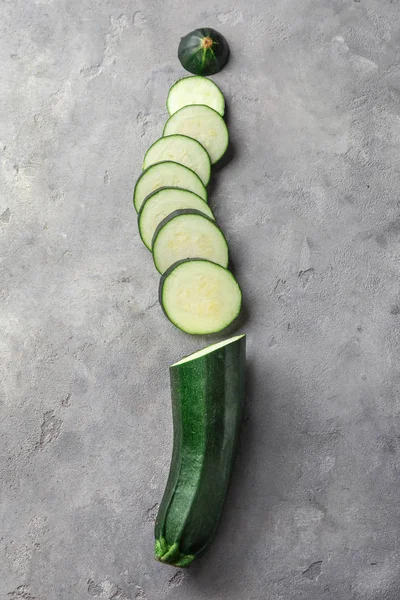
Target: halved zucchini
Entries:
(166, 174)
(162, 203)
(195, 90)
(183, 150)
(188, 233)
(207, 393)
(199, 296)
(203, 124)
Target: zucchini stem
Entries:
(171, 555)
(206, 43)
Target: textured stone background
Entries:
(310, 205)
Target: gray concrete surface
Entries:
(310, 205)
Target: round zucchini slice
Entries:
(203, 124)
(162, 203)
(188, 233)
(195, 90)
(183, 150)
(166, 174)
(199, 296)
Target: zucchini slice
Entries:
(203, 124)
(166, 174)
(199, 296)
(162, 203)
(188, 233)
(183, 150)
(207, 392)
(195, 90)
(203, 51)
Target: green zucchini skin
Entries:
(203, 51)
(207, 401)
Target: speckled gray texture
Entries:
(310, 205)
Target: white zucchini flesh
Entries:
(188, 233)
(203, 124)
(183, 150)
(162, 203)
(166, 174)
(199, 296)
(207, 350)
(195, 90)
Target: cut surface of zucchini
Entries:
(181, 149)
(208, 350)
(166, 174)
(195, 90)
(203, 124)
(188, 233)
(162, 203)
(199, 296)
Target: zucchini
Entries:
(203, 124)
(195, 90)
(162, 203)
(166, 174)
(183, 150)
(199, 297)
(188, 233)
(203, 51)
(207, 391)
